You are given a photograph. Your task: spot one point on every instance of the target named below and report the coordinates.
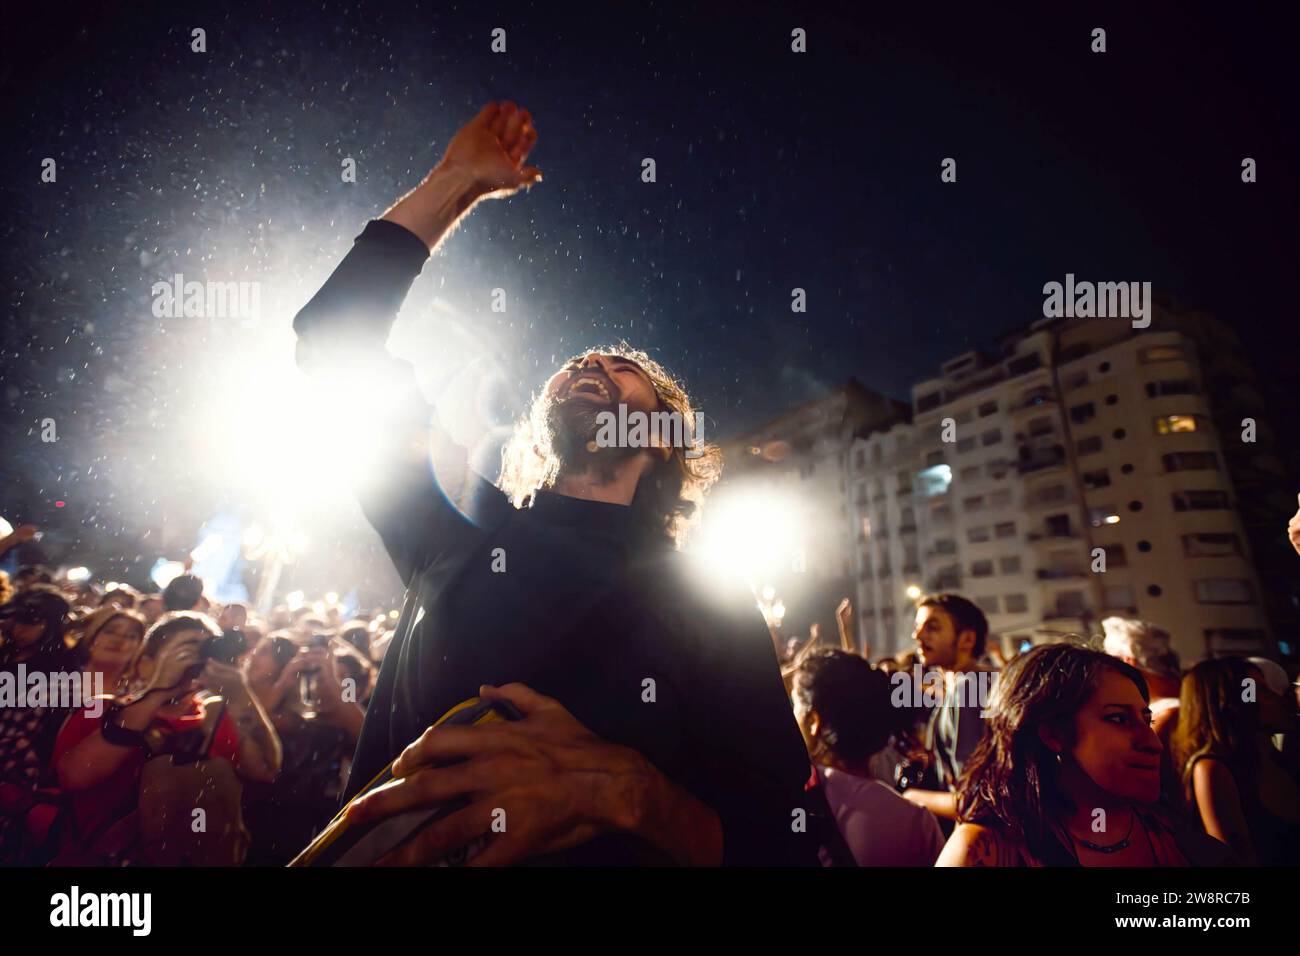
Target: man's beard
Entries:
(572, 426)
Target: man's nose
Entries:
(594, 358)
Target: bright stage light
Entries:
(164, 572)
(77, 575)
(750, 536)
(913, 591)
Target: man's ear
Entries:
(814, 723)
(966, 641)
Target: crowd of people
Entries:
(1105, 755)
(558, 590)
(260, 713)
(1072, 753)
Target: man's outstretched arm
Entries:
(343, 330)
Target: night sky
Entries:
(775, 170)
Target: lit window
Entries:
(1173, 424)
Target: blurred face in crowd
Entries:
(937, 640)
(115, 644)
(1114, 744)
(27, 627)
(151, 608)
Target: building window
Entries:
(977, 535)
(1119, 434)
(1234, 641)
(1015, 604)
(1207, 545)
(1077, 380)
(1155, 590)
(945, 546)
(1115, 556)
(991, 437)
(997, 468)
(1088, 446)
(1144, 546)
(934, 459)
(926, 402)
(1000, 498)
(1191, 461)
(1071, 604)
(1041, 426)
(943, 513)
(1177, 386)
(974, 503)
(1200, 500)
(1082, 413)
(1224, 591)
(1119, 597)
(1024, 364)
(966, 444)
(989, 605)
(1006, 529)
(1112, 399)
(1009, 565)
(987, 409)
(1092, 480)
(1177, 424)
(1160, 353)
(970, 472)
(981, 569)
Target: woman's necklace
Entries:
(1110, 847)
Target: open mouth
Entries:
(590, 385)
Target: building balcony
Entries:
(1060, 574)
(1040, 459)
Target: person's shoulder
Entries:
(974, 844)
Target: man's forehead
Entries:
(612, 356)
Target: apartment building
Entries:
(1086, 470)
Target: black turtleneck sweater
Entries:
(589, 606)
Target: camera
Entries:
(225, 647)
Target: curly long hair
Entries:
(1010, 782)
(670, 494)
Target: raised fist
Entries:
(491, 149)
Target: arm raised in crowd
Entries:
(342, 332)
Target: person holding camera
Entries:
(313, 698)
(182, 739)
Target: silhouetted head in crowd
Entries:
(843, 709)
(121, 596)
(950, 632)
(1143, 645)
(184, 593)
(1069, 727)
(32, 574)
(34, 623)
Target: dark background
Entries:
(775, 170)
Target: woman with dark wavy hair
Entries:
(1069, 772)
(1233, 778)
